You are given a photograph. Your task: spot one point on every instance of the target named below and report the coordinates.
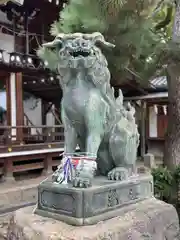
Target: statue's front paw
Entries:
(81, 182)
(58, 175)
(118, 174)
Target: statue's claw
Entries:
(80, 182)
(118, 174)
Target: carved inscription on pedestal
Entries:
(133, 193)
(57, 201)
(113, 198)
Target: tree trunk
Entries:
(172, 143)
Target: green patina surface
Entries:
(93, 119)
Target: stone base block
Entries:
(90, 205)
(149, 219)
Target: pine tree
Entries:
(145, 40)
(172, 145)
(126, 23)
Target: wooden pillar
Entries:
(8, 100)
(19, 106)
(47, 165)
(43, 109)
(143, 128)
(12, 99)
(8, 169)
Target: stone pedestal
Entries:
(104, 200)
(149, 219)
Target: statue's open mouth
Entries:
(80, 53)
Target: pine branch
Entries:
(50, 56)
(126, 23)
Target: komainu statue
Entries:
(93, 119)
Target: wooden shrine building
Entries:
(31, 132)
(153, 118)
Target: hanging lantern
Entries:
(28, 61)
(38, 63)
(15, 59)
(1, 56)
(51, 78)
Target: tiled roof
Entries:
(159, 82)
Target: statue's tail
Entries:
(120, 106)
(120, 99)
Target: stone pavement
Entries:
(14, 195)
(17, 194)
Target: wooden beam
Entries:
(43, 88)
(8, 169)
(48, 165)
(138, 88)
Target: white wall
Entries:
(50, 119)
(32, 108)
(3, 18)
(152, 122)
(3, 99)
(7, 44)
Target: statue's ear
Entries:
(100, 41)
(56, 43)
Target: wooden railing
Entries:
(10, 135)
(23, 148)
(28, 122)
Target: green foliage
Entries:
(140, 29)
(163, 182)
(49, 56)
(128, 24)
(166, 183)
